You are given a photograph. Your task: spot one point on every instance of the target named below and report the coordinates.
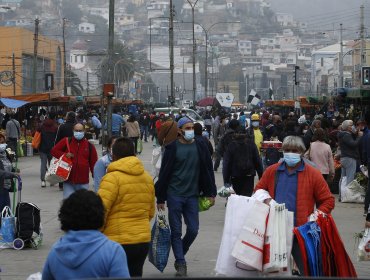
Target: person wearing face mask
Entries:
(255, 132)
(349, 143)
(6, 174)
(100, 168)
(83, 156)
(186, 172)
(297, 184)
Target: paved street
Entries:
(202, 256)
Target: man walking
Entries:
(144, 122)
(117, 123)
(13, 133)
(186, 172)
(83, 156)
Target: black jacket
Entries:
(65, 130)
(225, 141)
(207, 185)
(48, 132)
(241, 147)
(349, 146)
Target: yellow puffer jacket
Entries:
(127, 192)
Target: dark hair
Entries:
(82, 210)
(234, 124)
(318, 135)
(131, 118)
(198, 129)
(110, 141)
(123, 147)
(51, 115)
(71, 117)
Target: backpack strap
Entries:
(276, 181)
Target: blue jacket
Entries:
(100, 169)
(117, 122)
(207, 185)
(85, 254)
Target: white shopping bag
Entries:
(236, 210)
(248, 248)
(363, 253)
(156, 161)
(351, 192)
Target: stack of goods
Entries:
(322, 249)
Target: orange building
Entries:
(16, 76)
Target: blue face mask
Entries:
(78, 134)
(2, 147)
(292, 159)
(189, 135)
(256, 124)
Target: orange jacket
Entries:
(312, 189)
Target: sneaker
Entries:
(43, 184)
(181, 270)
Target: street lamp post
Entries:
(192, 5)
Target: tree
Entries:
(74, 82)
(123, 68)
(72, 11)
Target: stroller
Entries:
(28, 223)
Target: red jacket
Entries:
(312, 189)
(82, 153)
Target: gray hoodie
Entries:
(349, 145)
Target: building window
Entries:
(82, 58)
(76, 57)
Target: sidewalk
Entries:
(202, 255)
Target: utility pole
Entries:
(341, 57)
(64, 58)
(87, 83)
(206, 64)
(13, 64)
(362, 35)
(35, 47)
(172, 101)
(110, 66)
(192, 5)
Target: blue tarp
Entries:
(12, 103)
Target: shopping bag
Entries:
(59, 169)
(36, 140)
(204, 204)
(236, 209)
(363, 252)
(156, 161)
(160, 244)
(352, 192)
(20, 152)
(139, 146)
(248, 248)
(225, 191)
(7, 226)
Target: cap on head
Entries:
(183, 121)
(255, 117)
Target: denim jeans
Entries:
(69, 188)
(348, 168)
(178, 207)
(45, 162)
(144, 131)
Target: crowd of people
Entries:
(107, 230)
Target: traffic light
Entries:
(296, 76)
(366, 75)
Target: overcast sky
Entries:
(325, 15)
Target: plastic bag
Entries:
(204, 204)
(363, 252)
(352, 192)
(225, 191)
(7, 226)
(35, 276)
(160, 244)
(139, 146)
(156, 161)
